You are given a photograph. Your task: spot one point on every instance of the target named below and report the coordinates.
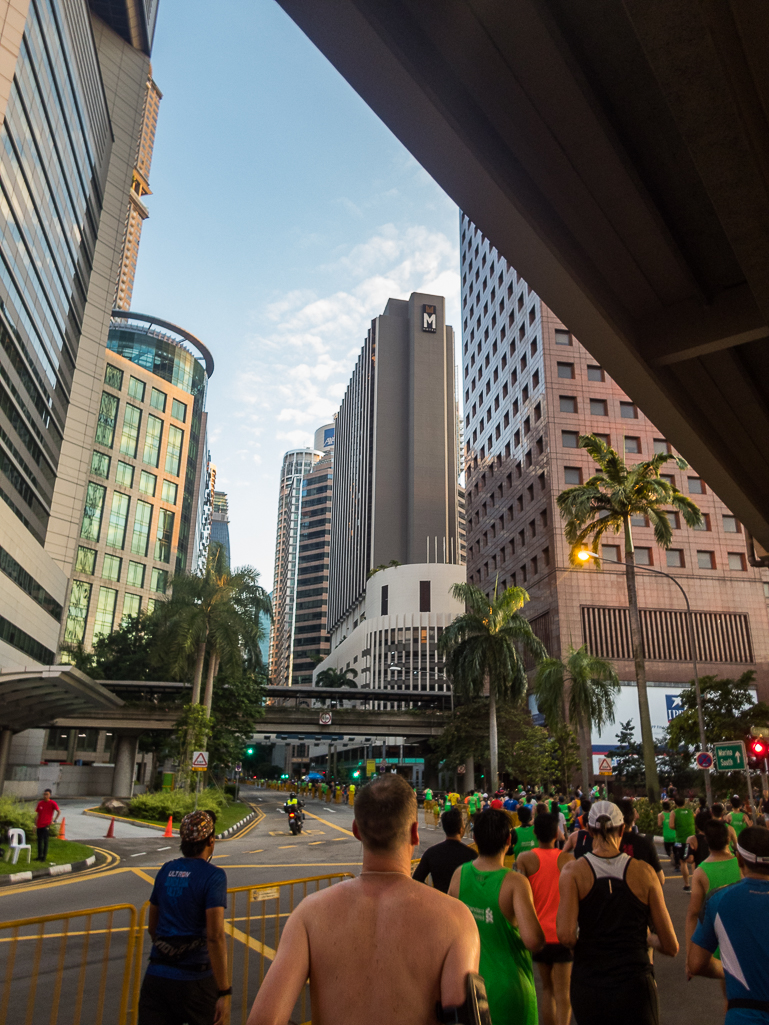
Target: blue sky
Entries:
(283, 216)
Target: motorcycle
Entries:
(294, 822)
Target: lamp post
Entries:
(584, 555)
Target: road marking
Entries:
(164, 848)
(222, 855)
(260, 851)
(143, 875)
(314, 843)
(332, 824)
(338, 839)
(249, 941)
(285, 846)
(139, 855)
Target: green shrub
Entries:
(178, 803)
(230, 789)
(647, 816)
(15, 814)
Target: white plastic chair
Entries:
(17, 841)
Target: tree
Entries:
(336, 678)
(483, 652)
(606, 503)
(629, 760)
(238, 700)
(215, 615)
(592, 684)
(131, 652)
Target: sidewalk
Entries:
(90, 827)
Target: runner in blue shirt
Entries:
(735, 920)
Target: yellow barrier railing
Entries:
(86, 959)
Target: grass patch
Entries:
(224, 819)
(60, 852)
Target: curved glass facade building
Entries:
(148, 496)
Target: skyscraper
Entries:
(530, 389)
(72, 92)
(220, 523)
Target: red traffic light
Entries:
(759, 748)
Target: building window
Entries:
(572, 475)
(129, 439)
(105, 427)
(632, 445)
(174, 450)
(385, 600)
(148, 483)
(570, 439)
(704, 524)
(737, 561)
(424, 595)
(113, 377)
(117, 520)
(566, 370)
(610, 553)
(696, 486)
(706, 560)
(132, 606)
(92, 514)
(141, 531)
(170, 491)
(136, 389)
(595, 373)
(628, 410)
(100, 465)
(179, 410)
(152, 440)
(661, 447)
(111, 568)
(85, 560)
(79, 600)
(159, 580)
(599, 407)
(135, 575)
(104, 620)
(674, 557)
(158, 400)
(673, 520)
(731, 525)
(567, 403)
(125, 475)
(164, 535)
(643, 556)
(562, 337)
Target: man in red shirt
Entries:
(47, 812)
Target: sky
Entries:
(284, 214)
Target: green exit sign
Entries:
(730, 757)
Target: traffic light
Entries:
(249, 750)
(759, 748)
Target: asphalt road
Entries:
(266, 853)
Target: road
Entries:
(268, 853)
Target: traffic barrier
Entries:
(87, 958)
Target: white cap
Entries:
(607, 808)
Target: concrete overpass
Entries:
(347, 724)
(617, 154)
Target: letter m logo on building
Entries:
(429, 318)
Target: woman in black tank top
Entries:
(606, 923)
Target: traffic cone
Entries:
(62, 834)
(110, 834)
(169, 827)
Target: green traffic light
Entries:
(249, 750)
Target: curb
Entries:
(53, 870)
(237, 827)
(151, 825)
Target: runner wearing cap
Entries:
(186, 981)
(607, 900)
(735, 919)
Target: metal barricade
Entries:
(69, 968)
(254, 923)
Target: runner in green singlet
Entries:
(738, 819)
(682, 822)
(503, 909)
(719, 869)
(668, 834)
(524, 834)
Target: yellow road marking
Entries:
(67, 935)
(77, 877)
(314, 843)
(332, 824)
(296, 864)
(249, 941)
(143, 875)
(260, 851)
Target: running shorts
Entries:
(553, 953)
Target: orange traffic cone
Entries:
(62, 834)
(169, 827)
(110, 834)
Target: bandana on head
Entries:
(751, 857)
(198, 825)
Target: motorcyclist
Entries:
(292, 804)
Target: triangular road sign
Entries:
(200, 759)
(604, 767)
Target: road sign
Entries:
(370, 766)
(604, 768)
(730, 757)
(325, 718)
(238, 767)
(199, 761)
(704, 760)
(461, 770)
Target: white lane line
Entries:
(164, 848)
(139, 854)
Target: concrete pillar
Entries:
(469, 774)
(125, 766)
(6, 736)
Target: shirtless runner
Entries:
(412, 946)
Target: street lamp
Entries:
(584, 555)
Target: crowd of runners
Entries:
(569, 885)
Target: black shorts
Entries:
(174, 1002)
(553, 953)
(680, 853)
(637, 998)
(668, 845)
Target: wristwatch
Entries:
(225, 992)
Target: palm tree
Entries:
(214, 614)
(592, 685)
(483, 652)
(606, 503)
(336, 678)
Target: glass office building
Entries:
(148, 461)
